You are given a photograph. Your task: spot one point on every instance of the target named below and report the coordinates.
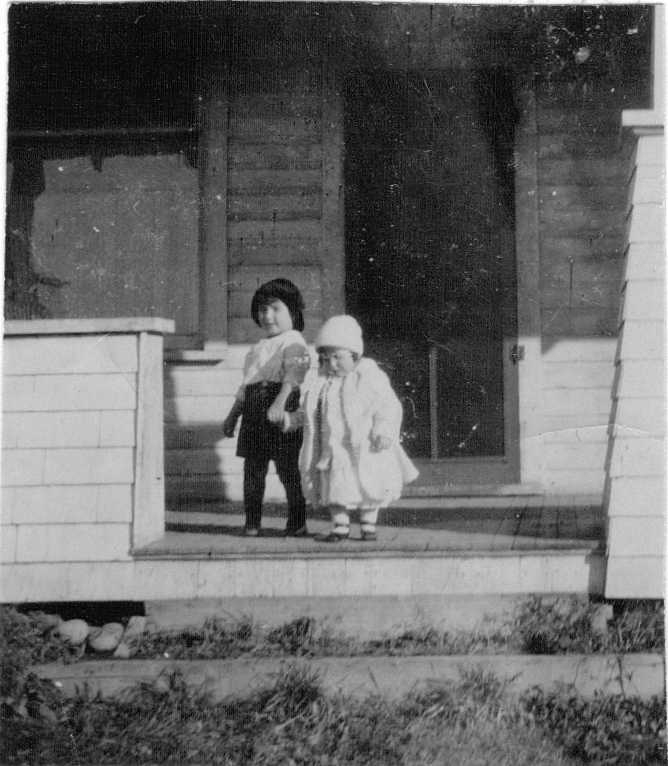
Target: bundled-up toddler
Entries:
(351, 457)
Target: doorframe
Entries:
(527, 259)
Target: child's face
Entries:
(336, 361)
(274, 318)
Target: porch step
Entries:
(420, 551)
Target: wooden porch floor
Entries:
(456, 526)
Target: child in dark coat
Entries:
(273, 371)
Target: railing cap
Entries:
(96, 326)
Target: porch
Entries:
(448, 526)
(427, 548)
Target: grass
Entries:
(293, 722)
(539, 626)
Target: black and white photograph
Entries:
(333, 383)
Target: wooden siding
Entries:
(636, 491)
(82, 448)
(583, 167)
(283, 193)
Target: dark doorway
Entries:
(430, 251)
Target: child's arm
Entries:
(296, 362)
(275, 412)
(387, 417)
(230, 422)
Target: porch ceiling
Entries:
(138, 64)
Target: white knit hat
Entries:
(341, 331)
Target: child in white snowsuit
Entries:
(273, 371)
(351, 457)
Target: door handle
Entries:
(516, 353)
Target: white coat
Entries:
(370, 408)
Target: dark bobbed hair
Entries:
(283, 290)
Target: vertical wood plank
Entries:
(333, 245)
(148, 506)
(528, 288)
(213, 232)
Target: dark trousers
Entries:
(255, 475)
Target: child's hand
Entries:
(275, 413)
(229, 424)
(379, 443)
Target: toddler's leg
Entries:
(255, 475)
(368, 518)
(340, 521)
(288, 472)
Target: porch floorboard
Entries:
(211, 530)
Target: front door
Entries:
(430, 262)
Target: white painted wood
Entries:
(578, 435)
(633, 496)
(148, 522)
(40, 393)
(588, 481)
(527, 254)
(644, 300)
(68, 429)
(193, 410)
(632, 577)
(94, 326)
(67, 504)
(49, 355)
(645, 260)
(117, 429)
(640, 417)
(8, 543)
(108, 465)
(642, 339)
(587, 401)
(651, 151)
(72, 542)
(640, 379)
(647, 223)
(23, 467)
(637, 536)
(577, 456)
(201, 380)
(576, 375)
(643, 456)
(50, 429)
(567, 571)
(572, 350)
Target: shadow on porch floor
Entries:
(454, 525)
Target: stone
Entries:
(123, 651)
(600, 618)
(105, 639)
(73, 632)
(136, 626)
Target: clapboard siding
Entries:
(82, 456)
(583, 167)
(635, 489)
(274, 191)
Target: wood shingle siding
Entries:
(635, 487)
(275, 188)
(582, 170)
(82, 444)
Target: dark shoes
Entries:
(369, 536)
(332, 537)
(251, 532)
(296, 532)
